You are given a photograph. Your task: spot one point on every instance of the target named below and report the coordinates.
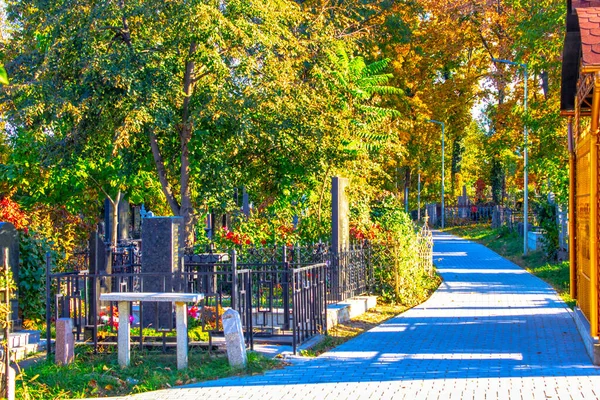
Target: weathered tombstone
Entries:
(234, 339)
(162, 238)
(97, 253)
(463, 204)
(9, 239)
(340, 215)
(65, 341)
(123, 219)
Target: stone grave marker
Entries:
(463, 204)
(163, 247)
(234, 339)
(9, 239)
(65, 341)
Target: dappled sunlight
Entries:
(450, 254)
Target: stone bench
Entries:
(123, 335)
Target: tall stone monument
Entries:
(9, 239)
(340, 215)
(163, 248)
(463, 204)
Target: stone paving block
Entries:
(491, 330)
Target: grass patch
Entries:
(510, 245)
(99, 375)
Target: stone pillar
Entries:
(340, 210)
(182, 337)
(163, 245)
(9, 239)
(65, 341)
(124, 334)
(234, 339)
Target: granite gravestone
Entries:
(340, 215)
(162, 255)
(9, 239)
(65, 342)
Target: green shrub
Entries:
(398, 275)
(546, 214)
(32, 276)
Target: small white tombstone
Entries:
(234, 339)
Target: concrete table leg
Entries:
(182, 337)
(123, 339)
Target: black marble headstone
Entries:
(162, 256)
(97, 253)
(9, 239)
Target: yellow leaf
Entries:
(109, 387)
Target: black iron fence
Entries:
(281, 294)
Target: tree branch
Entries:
(125, 34)
(162, 174)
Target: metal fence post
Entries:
(7, 380)
(285, 277)
(48, 305)
(234, 283)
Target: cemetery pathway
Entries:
(491, 330)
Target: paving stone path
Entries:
(490, 331)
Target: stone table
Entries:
(123, 335)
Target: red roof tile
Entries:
(589, 25)
(585, 3)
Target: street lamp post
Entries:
(443, 125)
(525, 145)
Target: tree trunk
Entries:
(187, 209)
(162, 174)
(406, 188)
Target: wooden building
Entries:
(580, 104)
